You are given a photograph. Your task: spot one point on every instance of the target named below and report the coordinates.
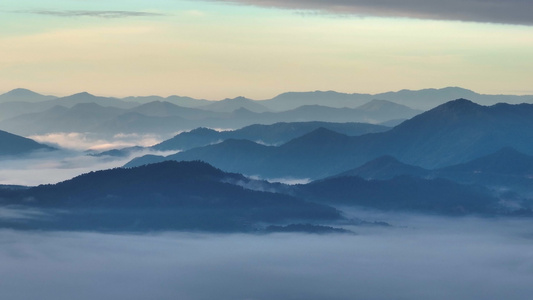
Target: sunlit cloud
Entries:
(87, 141)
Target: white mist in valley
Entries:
(419, 258)
(72, 160)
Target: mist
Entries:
(53, 167)
(72, 160)
(418, 258)
(87, 141)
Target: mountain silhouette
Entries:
(453, 133)
(229, 105)
(275, 134)
(385, 167)
(23, 95)
(168, 195)
(14, 145)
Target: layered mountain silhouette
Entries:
(504, 170)
(14, 145)
(275, 134)
(165, 117)
(169, 195)
(229, 105)
(453, 133)
(424, 99)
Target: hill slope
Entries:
(14, 145)
(169, 195)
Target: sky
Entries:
(217, 49)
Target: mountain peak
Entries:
(20, 92)
(458, 106)
(202, 131)
(377, 104)
(385, 167)
(83, 94)
(320, 135)
(25, 95)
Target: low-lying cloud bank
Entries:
(451, 259)
(53, 167)
(87, 141)
(489, 11)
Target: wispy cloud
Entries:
(489, 11)
(108, 14)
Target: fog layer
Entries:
(420, 258)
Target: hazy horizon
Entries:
(214, 49)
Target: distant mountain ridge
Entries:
(164, 117)
(275, 134)
(423, 99)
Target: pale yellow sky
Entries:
(212, 50)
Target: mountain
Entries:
(14, 145)
(385, 167)
(169, 195)
(163, 117)
(502, 171)
(506, 170)
(424, 99)
(229, 105)
(403, 193)
(275, 134)
(452, 133)
(167, 109)
(23, 95)
(13, 109)
(85, 97)
(176, 100)
(387, 110)
(81, 117)
(292, 100)
(368, 113)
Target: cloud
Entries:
(489, 11)
(108, 14)
(451, 259)
(87, 141)
(53, 167)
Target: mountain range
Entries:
(164, 117)
(424, 99)
(275, 134)
(196, 196)
(452, 133)
(502, 171)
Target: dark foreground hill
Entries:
(169, 195)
